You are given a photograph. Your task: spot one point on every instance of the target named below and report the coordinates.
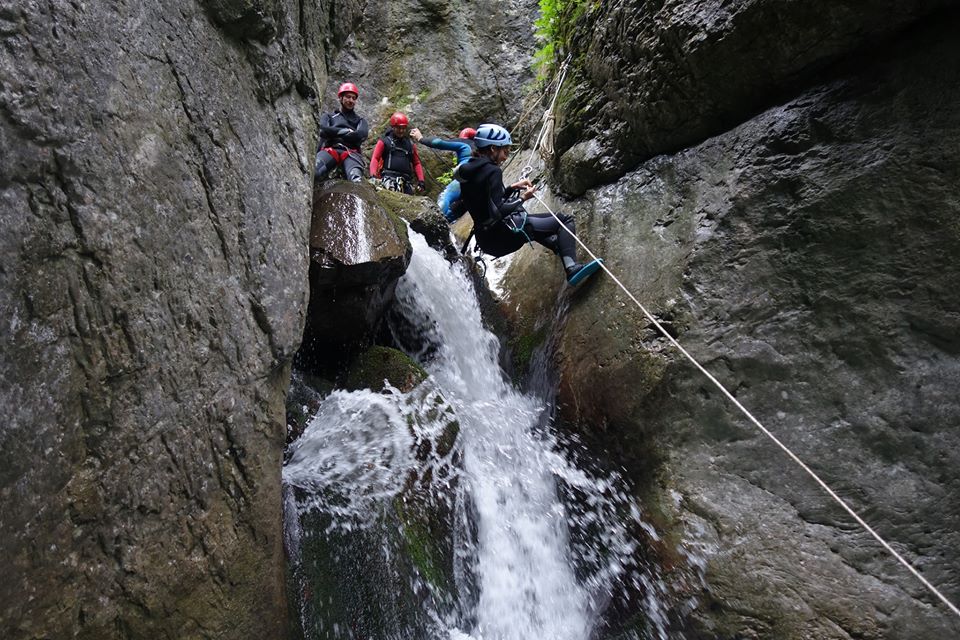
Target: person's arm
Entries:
(376, 159)
(356, 138)
(327, 129)
(462, 149)
(501, 206)
(417, 167)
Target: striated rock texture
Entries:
(448, 65)
(156, 185)
(654, 77)
(806, 257)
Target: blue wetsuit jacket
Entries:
(452, 191)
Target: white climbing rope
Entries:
(548, 115)
(758, 424)
(548, 121)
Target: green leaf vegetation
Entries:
(554, 30)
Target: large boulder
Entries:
(805, 257)
(155, 197)
(358, 251)
(654, 77)
(371, 509)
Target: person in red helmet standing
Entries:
(395, 158)
(342, 132)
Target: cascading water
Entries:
(528, 564)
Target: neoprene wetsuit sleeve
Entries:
(464, 151)
(417, 167)
(500, 207)
(357, 137)
(327, 131)
(376, 159)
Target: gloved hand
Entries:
(421, 186)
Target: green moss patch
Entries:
(369, 370)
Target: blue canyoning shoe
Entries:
(580, 272)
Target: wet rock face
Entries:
(155, 195)
(358, 251)
(804, 258)
(447, 65)
(654, 77)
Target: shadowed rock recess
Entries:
(156, 186)
(807, 258)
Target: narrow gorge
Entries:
(241, 404)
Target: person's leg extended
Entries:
(545, 229)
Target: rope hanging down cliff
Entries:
(528, 168)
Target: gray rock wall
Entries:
(156, 184)
(806, 257)
(655, 77)
(447, 65)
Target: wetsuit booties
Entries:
(577, 273)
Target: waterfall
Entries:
(542, 545)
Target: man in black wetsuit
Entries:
(500, 222)
(342, 134)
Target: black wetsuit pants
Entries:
(351, 161)
(501, 239)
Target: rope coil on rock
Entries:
(548, 116)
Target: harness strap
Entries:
(518, 228)
(391, 145)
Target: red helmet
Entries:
(348, 87)
(468, 133)
(399, 119)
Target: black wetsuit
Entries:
(342, 134)
(499, 221)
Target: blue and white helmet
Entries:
(492, 135)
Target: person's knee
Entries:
(320, 170)
(323, 164)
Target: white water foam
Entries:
(539, 566)
(528, 586)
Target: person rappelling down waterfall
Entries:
(342, 132)
(500, 222)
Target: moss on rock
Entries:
(421, 213)
(377, 365)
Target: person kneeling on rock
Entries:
(500, 222)
(395, 157)
(449, 200)
(342, 132)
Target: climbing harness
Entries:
(518, 228)
(527, 170)
(394, 182)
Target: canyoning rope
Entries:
(526, 172)
(548, 119)
(757, 423)
(558, 78)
